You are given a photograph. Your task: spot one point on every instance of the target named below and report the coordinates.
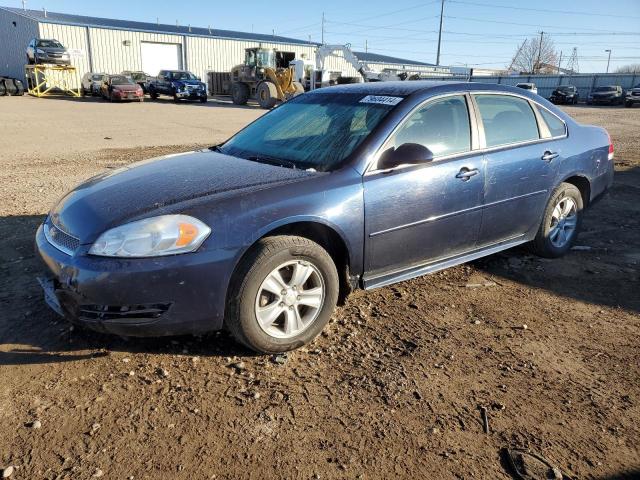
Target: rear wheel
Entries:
(267, 94)
(239, 93)
(284, 292)
(152, 93)
(561, 222)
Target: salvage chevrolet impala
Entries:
(355, 186)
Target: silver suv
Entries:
(42, 51)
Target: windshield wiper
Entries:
(272, 161)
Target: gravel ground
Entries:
(392, 389)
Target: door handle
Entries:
(465, 173)
(548, 156)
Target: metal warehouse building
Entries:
(112, 46)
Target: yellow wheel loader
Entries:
(259, 78)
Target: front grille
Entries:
(125, 312)
(61, 240)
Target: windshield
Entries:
(265, 58)
(138, 76)
(526, 86)
(183, 76)
(96, 78)
(605, 89)
(49, 44)
(120, 81)
(311, 131)
(565, 89)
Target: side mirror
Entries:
(407, 153)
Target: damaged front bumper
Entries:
(172, 295)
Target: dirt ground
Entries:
(392, 389)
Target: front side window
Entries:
(555, 125)
(506, 119)
(442, 126)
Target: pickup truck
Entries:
(179, 84)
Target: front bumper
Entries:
(45, 59)
(191, 94)
(173, 295)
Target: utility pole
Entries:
(366, 46)
(559, 62)
(537, 64)
(322, 28)
(608, 59)
(24, 5)
(440, 32)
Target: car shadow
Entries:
(603, 268)
(604, 271)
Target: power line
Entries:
(470, 19)
(543, 10)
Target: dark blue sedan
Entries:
(355, 186)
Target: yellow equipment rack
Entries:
(47, 80)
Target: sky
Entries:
(476, 33)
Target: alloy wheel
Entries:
(564, 220)
(290, 299)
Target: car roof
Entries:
(409, 87)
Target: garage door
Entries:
(161, 56)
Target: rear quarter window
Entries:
(556, 126)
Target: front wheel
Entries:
(284, 293)
(153, 94)
(561, 222)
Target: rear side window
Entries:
(506, 119)
(556, 126)
(442, 126)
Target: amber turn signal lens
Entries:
(187, 232)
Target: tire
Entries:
(247, 292)
(239, 93)
(175, 96)
(544, 244)
(628, 104)
(267, 94)
(19, 87)
(83, 92)
(299, 89)
(3, 88)
(203, 99)
(10, 87)
(152, 93)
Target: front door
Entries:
(417, 214)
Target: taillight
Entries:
(610, 147)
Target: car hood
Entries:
(127, 88)
(188, 82)
(147, 188)
(52, 49)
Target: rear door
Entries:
(521, 160)
(417, 214)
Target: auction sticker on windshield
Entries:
(381, 99)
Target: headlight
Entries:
(152, 237)
(41, 52)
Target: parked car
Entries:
(528, 86)
(262, 234)
(633, 96)
(41, 51)
(91, 83)
(138, 77)
(178, 84)
(118, 88)
(609, 95)
(565, 94)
